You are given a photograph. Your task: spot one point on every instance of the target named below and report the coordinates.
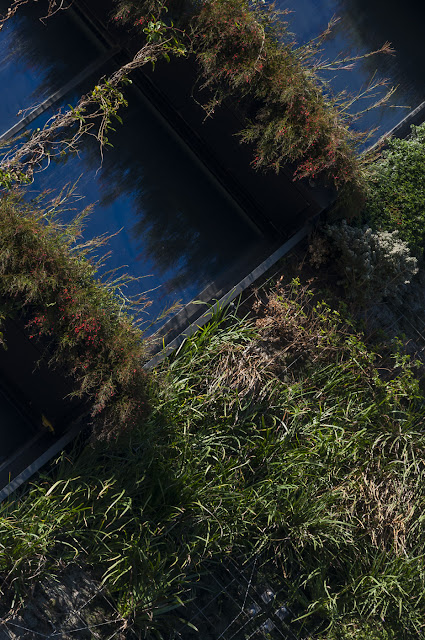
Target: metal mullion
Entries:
(60, 93)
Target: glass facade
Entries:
(174, 227)
(364, 26)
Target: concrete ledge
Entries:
(35, 466)
(228, 297)
(402, 129)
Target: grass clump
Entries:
(284, 436)
(47, 278)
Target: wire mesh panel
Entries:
(71, 606)
(238, 601)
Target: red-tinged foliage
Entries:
(245, 51)
(48, 276)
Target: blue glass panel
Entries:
(364, 26)
(38, 58)
(177, 228)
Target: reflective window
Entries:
(39, 58)
(364, 26)
(176, 226)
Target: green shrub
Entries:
(246, 53)
(396, 199)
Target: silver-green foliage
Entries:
(374, 264)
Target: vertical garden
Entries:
(286, 439)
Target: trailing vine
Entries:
(245, 52)
(94, 113)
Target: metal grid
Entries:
(240, 601)
(67, 608)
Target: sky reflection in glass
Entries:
(37, 59)
(364, 26)
(176, 227)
